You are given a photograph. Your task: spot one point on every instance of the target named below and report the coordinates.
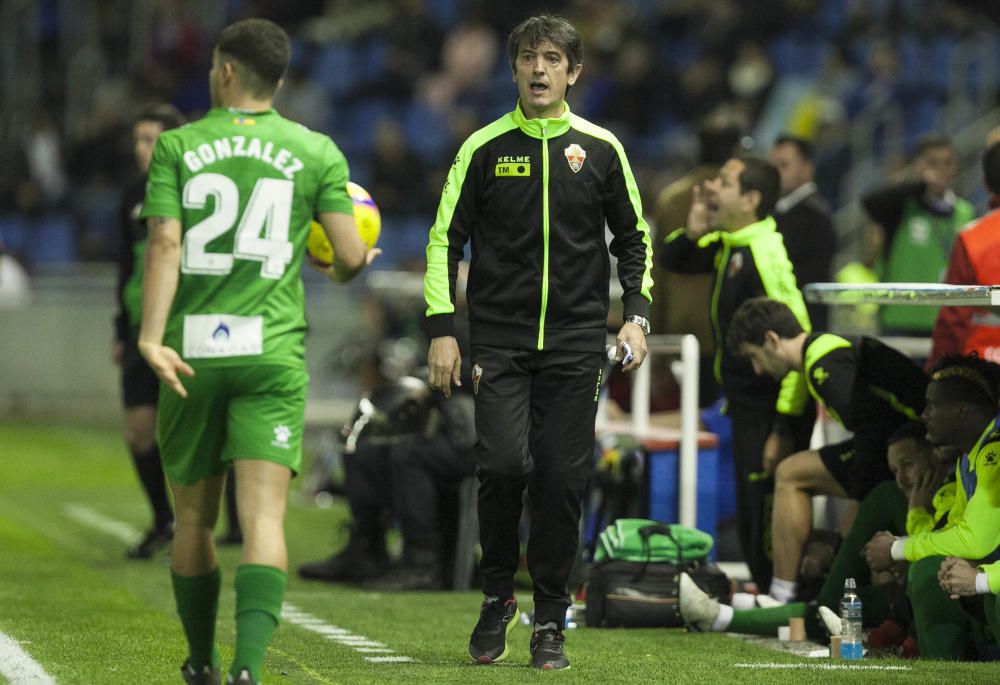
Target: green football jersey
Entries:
(244, 186)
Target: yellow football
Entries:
(366, 217)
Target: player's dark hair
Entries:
(556, 30)
(911, 430)
(760, 175)
(804, 147)
(969, 378)
(991, 168)
(755, 317)
(261, 49)
(164, 114)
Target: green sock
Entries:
(765, 621)
(197, 600)
(259, 592)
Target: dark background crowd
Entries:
(400, 83)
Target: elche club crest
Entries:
(575, 156)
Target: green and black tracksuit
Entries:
(871, 390)
(533, 197)
(747, 263)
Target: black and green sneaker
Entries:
(206, 675)
(488, 643)
(547, 650)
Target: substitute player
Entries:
(869, 388)
(140, 387)
(229, 203)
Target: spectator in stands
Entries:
(919, 220)
(869, 388)
(140, 386)
(962, 400)
(803, 218)
(974, 260)
(730, 232)
(896, 505)
(406, 451)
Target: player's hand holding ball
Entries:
(368, 220)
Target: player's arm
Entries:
(974, 535)
(159, 285)
(351, 254)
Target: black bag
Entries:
(640, 595)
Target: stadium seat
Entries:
(53, 240)
(14, 233)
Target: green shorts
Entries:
(232, 412)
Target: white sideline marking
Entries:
(105, 524)
(359, 643)
(18, 667)
(828, 667)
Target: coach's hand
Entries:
(632, 334)
(444, 364)
(878, 551)
(166, 363)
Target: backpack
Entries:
(635, 580)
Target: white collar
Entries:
(795, 197)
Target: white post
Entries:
(640, 398)
(688, 457)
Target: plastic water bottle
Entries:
(850, 622)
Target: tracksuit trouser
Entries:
(535, 413)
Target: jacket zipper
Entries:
(720, 277)
(545, 239)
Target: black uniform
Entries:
(140, 386)
(533, 196)
(805, 225)
(748, 263)
(869, 388)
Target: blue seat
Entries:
(53, 240)
(334, 68)
(14, 233)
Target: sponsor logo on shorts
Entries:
(282, 434)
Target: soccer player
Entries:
(140, 387)
(229, 202)
(730, 233)
(962, 401)
(869, 388)
(533, 192)
(892, 504)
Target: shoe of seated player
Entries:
(698, 609)
(547, 650)
(243, 678)
(156, 539)
(488, 642)
(204, 676)
(767, 602)
(830, 620)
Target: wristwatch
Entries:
(640, 321)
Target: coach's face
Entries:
(543, 74)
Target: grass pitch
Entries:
(88, 616)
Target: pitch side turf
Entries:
(69, 500)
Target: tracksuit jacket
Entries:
(973, 530)
(533, 196)
(747, 263)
